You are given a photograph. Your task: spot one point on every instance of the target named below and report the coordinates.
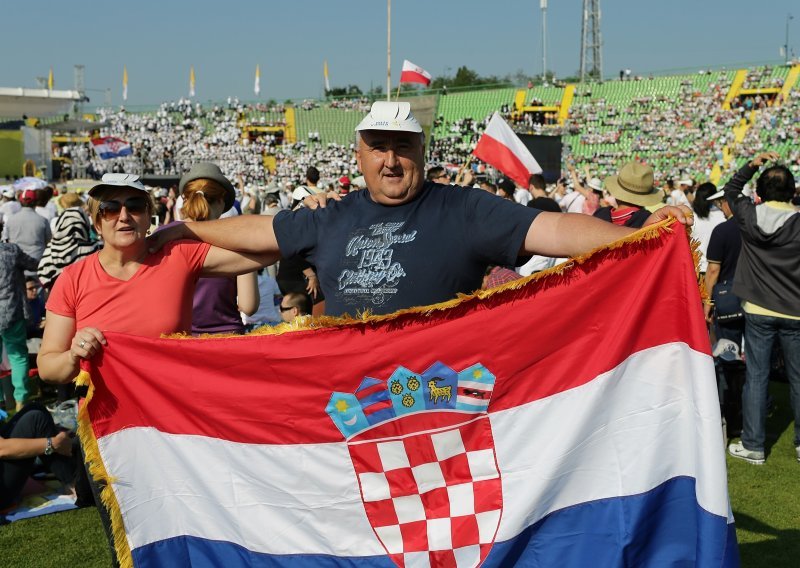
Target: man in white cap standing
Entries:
(8, 205)
(405, 241)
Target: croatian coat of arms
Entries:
(422, 448)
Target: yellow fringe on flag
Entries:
(98, 471)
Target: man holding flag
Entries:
(405, 241)
(600, 491)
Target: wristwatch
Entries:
(48, 450)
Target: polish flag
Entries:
(414, 74)
(503, 149)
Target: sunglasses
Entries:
(285, 308)
(112, 208)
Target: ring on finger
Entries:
(82, 344)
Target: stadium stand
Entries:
(688, 125)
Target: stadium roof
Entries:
(18, 101)
(74, 126)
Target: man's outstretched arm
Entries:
(571, 234)
(246, 233)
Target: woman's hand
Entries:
(87, 342)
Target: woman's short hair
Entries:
(197, 194)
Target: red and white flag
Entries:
(503, 149)
(414, 74)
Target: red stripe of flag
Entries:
(376, 406)
(569, 316)
(474, 393)
(414, 77)
(501, 157)
(367, 391)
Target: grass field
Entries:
(765, 500)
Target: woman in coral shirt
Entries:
(124, 287)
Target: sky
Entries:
(159, 41)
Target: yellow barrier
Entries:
(290, 134)
(736, 86)
(566, 102)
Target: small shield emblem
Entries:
(429, 480)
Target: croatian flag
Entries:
(110, 147)
(410, 440)
(414, 74)
(503, 149)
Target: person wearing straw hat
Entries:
(405, 241)
(633, 190)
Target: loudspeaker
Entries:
(547, 151)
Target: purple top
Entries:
(214, 309)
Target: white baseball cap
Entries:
(117, 180)
(595, 184)
(394, 116)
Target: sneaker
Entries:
(737, 450)
(726, 350)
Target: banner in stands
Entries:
(535, 423)
(110, 147)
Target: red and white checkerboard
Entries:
(433, 498)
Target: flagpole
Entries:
(389, 51)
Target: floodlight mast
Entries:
(591, 42)
(543, 6)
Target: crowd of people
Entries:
(240, 221)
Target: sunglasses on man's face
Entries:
(111, 209)
(285, 308)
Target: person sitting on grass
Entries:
(31, 434)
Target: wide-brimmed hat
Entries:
(634, 184)
(596, 184)
(67, 200)
(207, 170)
(116, 181)
(29, 182)
(393, 116)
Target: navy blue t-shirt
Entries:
(385, 258)
(724, 247)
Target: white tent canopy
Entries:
(18, 101)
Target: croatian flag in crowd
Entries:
(414, 74)
(110, 147)
(548, 425)
(501, 148)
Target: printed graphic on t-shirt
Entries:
(371, 275)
